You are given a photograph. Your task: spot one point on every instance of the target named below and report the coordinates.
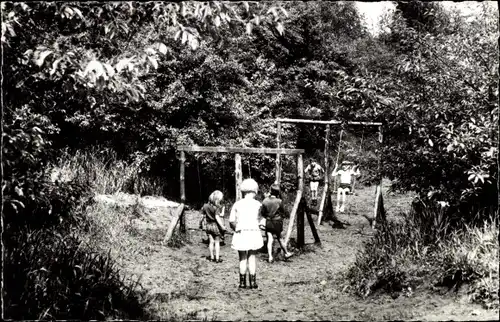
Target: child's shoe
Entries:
(253, 281)
(342, 208)
(337, 209)
(243, 281)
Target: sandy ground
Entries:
(187, 286)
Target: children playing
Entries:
(314, 172)
(346, 172)
(213, 211)
(272, 209)
(247, 238)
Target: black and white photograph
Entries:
(250, 160)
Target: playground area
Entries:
(309, 286)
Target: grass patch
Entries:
(64, 279)
(105, 173)
(471, 257)
(179, 239)
(422, 251)
(59, 247)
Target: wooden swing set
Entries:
(378, 208)
(299, 208)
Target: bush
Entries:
(420, 251)
(52, 274)
(104, 173)
(49, 205)
(472, 257)
(56, 277)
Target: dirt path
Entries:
(188, 286)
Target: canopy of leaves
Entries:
(145, 77)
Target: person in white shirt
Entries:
(247, 239)
(346, 172)
(314, 172)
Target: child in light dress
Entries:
(346, 172)
(247, 238)
(214, 223)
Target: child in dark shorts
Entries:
(272, 209)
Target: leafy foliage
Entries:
(402, 258)
(143, 78)
(72, 68)
(442, 129)
(62, 279)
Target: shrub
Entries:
(104, 173)
(56, 277)
(50, 273)
(420, 251)
(471, 257)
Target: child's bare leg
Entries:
(343, 198)
(252, 264)
(252, 268)
(270, 246)
(217, 247)
(243, 268)
(339, 192)
(243, 261)
(211, 243)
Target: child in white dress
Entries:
(247, 238)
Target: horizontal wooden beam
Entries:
(223, 149)
(307, 121)
(365, 123)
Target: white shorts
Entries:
(314, 185)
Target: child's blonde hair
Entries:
(249, 185)
(216, 197)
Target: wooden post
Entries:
(379, 211)
(327, 175)
(323, 202)
(238, 175)
(292, 216)
(278, 155)
(335, 180)
(183, 189)
(313, 228)
(300, 171)
(298, 199)
(178, 214)
(327, 143)
(379, 161)
(300, 226)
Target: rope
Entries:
(338, 149)
(199, 177)
(362, 137)
(224, 177)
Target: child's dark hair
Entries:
(275, 190)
